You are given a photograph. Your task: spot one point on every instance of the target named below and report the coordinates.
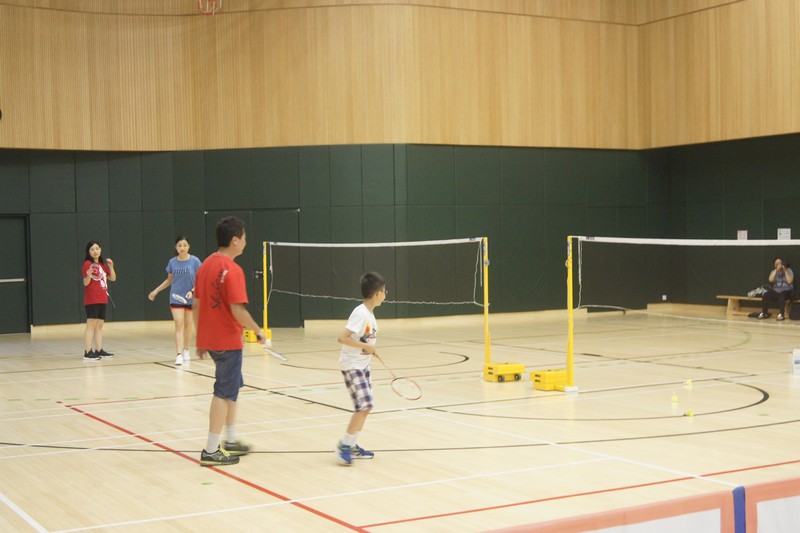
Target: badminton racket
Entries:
(98, 274)
(404, 387)
(178, 298)
(274, 353)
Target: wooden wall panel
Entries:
(363, 74)
(613, 11)
(721, 74)
(500, 72)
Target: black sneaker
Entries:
(219, 458)
(90, 356)
(102, 353)
(236, 448)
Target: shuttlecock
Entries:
(674, 398)
(689, 412)
(688, 383)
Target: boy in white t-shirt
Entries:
(358, 344)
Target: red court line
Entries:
(576, 495)
(219, 471)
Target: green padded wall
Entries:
(91, 182)
(15, 182)
(227, 180)
(275, 178)
(52, 182)
(128, 251)
(125, 182)
(526, 199)
(188, 181)
(157, 185)
(56, 259)
(158, 240)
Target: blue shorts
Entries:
(359, 385)
(228, 373)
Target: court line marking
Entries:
(22, 514)
(183, 455)
(576, 449)
(348, 494)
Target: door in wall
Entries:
(14, 283)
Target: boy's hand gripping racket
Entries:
(406, 388)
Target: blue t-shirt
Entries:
(780, 284)
(183, 274)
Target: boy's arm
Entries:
(346, 338)
(243, 317)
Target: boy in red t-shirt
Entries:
(220, 311)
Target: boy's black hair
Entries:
(179, 239)
(371, 282)
(227, 229)
(89, 257)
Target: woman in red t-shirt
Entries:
(96, 273)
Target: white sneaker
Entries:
(179, 360)
(186, 355)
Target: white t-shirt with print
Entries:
(364, 328)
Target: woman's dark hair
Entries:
(371, 282)
(89, 257)
(179, 239)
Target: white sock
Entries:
(212, 443)
(349, 439)
(231, 432)
(186, 353)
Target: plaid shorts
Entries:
(359, 385)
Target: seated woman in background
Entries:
(782, 279)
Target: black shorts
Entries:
(96, 311)
(180, 306)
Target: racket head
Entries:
(96, 272)
(406, 388)
(178, 298)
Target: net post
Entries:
(265, 281)
(498, 372)
(487, 343)
(569, 386)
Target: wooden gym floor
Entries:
(113, 446)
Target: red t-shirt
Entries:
(219, 283)
(96, 292)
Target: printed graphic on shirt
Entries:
(216, 288)
(98, 274)
(367, 336)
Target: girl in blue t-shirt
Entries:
(181, 271)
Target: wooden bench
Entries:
(734, 304)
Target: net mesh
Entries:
(438, 273)
(617, 273)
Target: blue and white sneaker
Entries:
(357, 452)
(343, 454)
